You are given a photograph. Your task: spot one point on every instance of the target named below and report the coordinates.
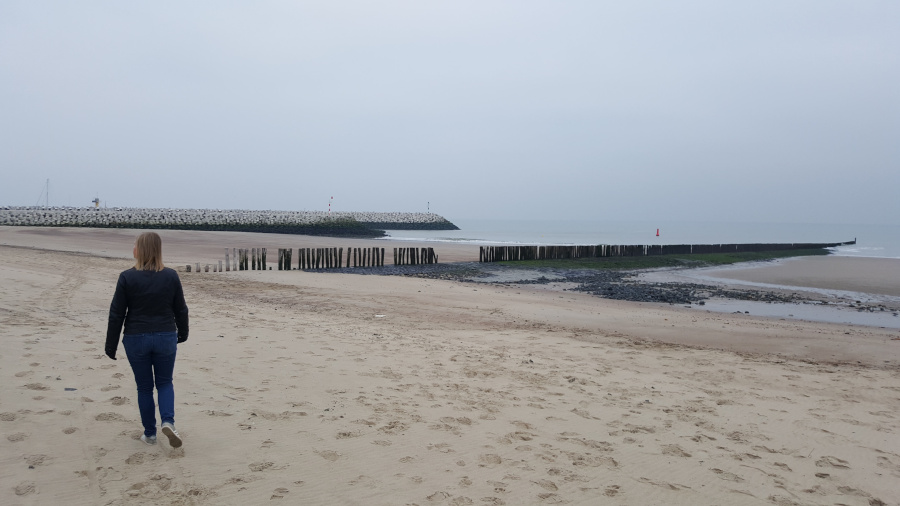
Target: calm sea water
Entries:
(872, 240)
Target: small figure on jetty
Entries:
(149, 300)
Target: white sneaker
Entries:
(174, 439)
(150, 440)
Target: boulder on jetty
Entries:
(342, 224)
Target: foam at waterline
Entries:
(862, 251)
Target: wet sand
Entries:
(854, 274)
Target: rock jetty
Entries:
(344, 224)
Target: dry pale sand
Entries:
(305, 388)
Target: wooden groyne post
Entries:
(284, 258)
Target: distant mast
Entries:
(45, 194)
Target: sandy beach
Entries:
(855, 274)
(308, 388)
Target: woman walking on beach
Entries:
(149, 300)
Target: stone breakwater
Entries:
(358, 224)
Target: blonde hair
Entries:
(148, 252)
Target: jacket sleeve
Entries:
(180, 309)
(117, 310)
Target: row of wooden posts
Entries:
(243, 259)
(414, 256)
(512, 253)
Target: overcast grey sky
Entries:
(783, 111)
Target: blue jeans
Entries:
(152, 358)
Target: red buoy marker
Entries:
(657, 232)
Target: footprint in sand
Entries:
(26, 488)
(438, 496)
(329, 455)
(261, 466)
(589, 460)
(136, 489)
(675, 451)
(18, 436)
(279, 493)
(567, 475)
(108, 417)
(243, 479)
(118, 401)
(393, 427)
(552, 498)
(197, 492)
(139, 458)
(725, 475)
(490, 460)
(7, 417)
(518, 436)
(546, 485)
(37, 386)
(69, 430)
(35, 460)
(829, 461)
(441, 447)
